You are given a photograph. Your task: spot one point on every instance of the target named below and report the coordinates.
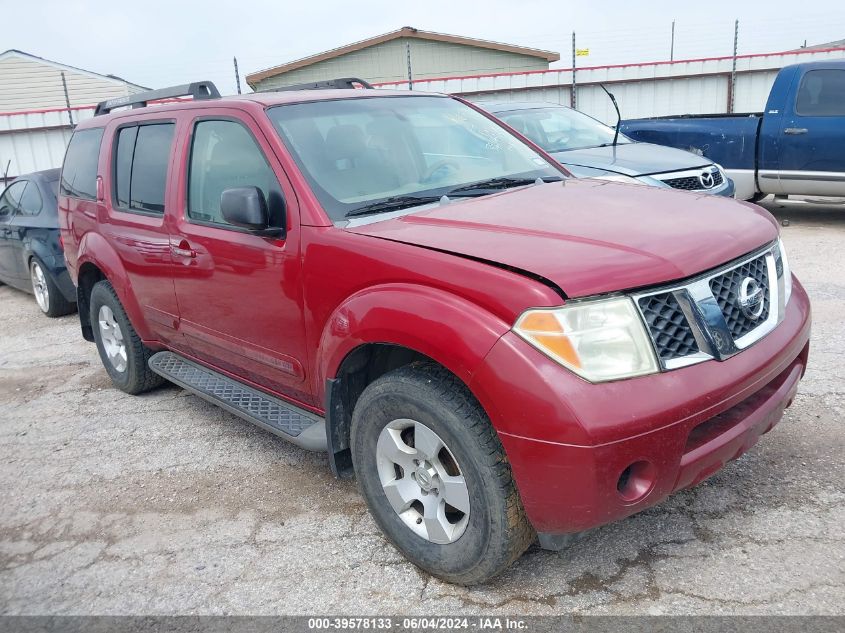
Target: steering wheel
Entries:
(436, 167)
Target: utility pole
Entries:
(732, 87)
(67, 100)
(410, 75)
(573, 100)
(672, 45)
(237, 76)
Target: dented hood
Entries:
(588, 236)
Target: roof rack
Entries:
(342, 83)
(199, 90)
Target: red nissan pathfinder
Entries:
(498, 352)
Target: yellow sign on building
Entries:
(582, 52)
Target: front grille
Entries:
(672, 335)
(692, 183)
(726, 290)
(711, 332)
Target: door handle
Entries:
(795, 130)
(183, 250)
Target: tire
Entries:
(47, 294)
(476, 545)
(128, 371)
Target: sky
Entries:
(157, 43)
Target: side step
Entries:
(281, 418)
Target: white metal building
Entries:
(35, 120)
(387, 57)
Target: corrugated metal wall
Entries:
(642, 90)
(36, 140)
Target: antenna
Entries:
(618, 115)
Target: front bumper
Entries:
(586, 454)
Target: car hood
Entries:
(588, 236)
(633, 159)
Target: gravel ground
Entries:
(163, 504)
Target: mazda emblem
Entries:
(706, 179)
(750, 298)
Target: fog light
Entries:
(636, 481)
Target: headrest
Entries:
(345, 142)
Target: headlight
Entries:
(599, 340)
(782, 265)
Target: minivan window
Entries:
(31, 200)
(142, 156)
(357, 153)
(224, 155)
(79, 174)
(822, 93)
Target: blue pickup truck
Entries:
(796, 146)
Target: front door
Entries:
(9, 208)
(812, 136)
(239, 292)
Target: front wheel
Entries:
(435, 475)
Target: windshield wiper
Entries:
(392, 204)
(499, 183)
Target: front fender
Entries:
(95, 249)
(447, 328)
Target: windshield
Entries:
(557, 129)
(358, 153)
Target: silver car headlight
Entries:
(782, 266)
(600, 340)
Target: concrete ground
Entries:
(163, 504)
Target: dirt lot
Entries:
(160, 504)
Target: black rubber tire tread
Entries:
(58, 305)
(138, 376)
(510, 532)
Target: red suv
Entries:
(497, 351)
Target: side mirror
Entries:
(245, 207)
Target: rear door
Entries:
(29, 207)
(812, 135)
(239, 292)
(140, 153)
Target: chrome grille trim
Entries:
(706, 318)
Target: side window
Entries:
(141, 158)
(821, 93)
(225, 155)
(10, 201)
(79, 174)
(31, 202)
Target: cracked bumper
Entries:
(569, 442)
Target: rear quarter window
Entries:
(79, 173)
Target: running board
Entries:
(301, 427)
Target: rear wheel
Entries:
(123, 354)
(435, 476)
(47, 294)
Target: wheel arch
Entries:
(385, 328)
(98, 261)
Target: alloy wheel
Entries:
(39, 286)
(422, 481)
(112, 338)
